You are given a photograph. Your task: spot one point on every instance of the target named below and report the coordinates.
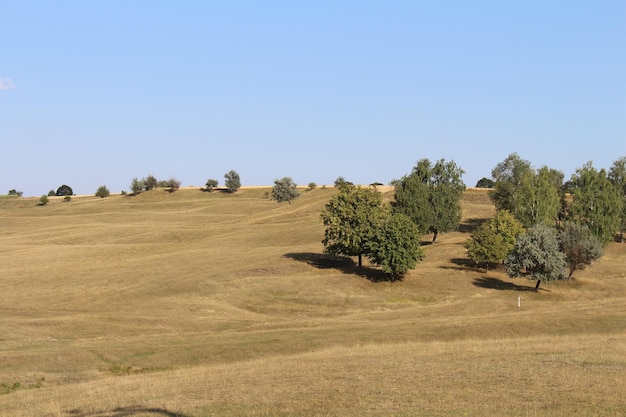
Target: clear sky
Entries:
(98, 92)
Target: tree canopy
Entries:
(431, 196)
(395, 246)
(597, 203)
(285, 190)
(494, 240)
(232, 181)
(579, 245)
(64, 190)
(537, 256)
(617, 175)
(352, 218)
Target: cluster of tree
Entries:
(232, 182)
(358, 222)
(15, 193)
(562, 230)
(149, 183)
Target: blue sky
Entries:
(98, 92)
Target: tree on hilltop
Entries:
(232, 181)
(64, 190)
(285, 190)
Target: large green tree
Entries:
(597, 203)
(395, 245)
(617, 175)
(537, 256)
(494, 240)
(352, 218)
(431, 196)
(531, 196)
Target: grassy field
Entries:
(207, 304)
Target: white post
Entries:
(519, 302)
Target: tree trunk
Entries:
(360, 260)
(538, 284)
(435, 233)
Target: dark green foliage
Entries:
(232, 182)
(494, 240)
(51, 193)
(579, 245)
(395, 245)
(163, 184)
(210, 184)
(43, 200)
(150, 182)
(284, 190)
(484, 183)
(431, 196)
(15, 193)
(103, 191)
(537, 256)
(136, 186)
(598, 202)
(312, 186)
(64, 190)
(352, 218)
(507, 176)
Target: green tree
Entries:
(617, 175)
(233, 182)
(341, 182)
(352, 218)
(102, 191)
(539, 196)
(579, 245)
(64, 190)
(285, 190)
(15, 193)
(537, 256)
(136, 186)
(431, 196)
(484, 183)
(395, 245)
(508, 176)
(494, 240)
(43, 200)
(211, 184)
(598, 203)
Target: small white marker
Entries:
(519, 302)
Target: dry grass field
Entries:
(198, 304)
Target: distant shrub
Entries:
(312, 186)
(163, 184)
(136, 186)
(123, 192)
(173, 184)
(43, 200)
(64, 190)
(15, 193)
(284, 190)
(67, 198)
(341, 182)
(150, 182)
(51, 193)
(102, 191)
(485, 183)
(211, 184)
(233, 182)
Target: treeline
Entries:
(543, 226)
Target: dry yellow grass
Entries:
(203, 304)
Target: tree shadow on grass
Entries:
(127, 412)
(498, 284)
(343, 264)
(469, 225)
